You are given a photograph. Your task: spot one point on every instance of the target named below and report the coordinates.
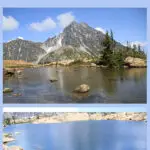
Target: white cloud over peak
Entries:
(10, 23)
(44, 25)
(100, 29)
(65, 19)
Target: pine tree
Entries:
(107, 51)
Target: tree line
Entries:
(114, 54)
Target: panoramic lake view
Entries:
(67, 57)
(106, 85)
(105, 135)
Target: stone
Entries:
(17, 94)
(53, 79)
(7, 139)
(65, 62)
(19, 72)
(15, 148)
(7, 90)
(125, 66)
(93, 65)
(8, 71)
(135, 62)
(82, 88)
(102, 66)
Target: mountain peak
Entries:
(76, 24)
(84, 24)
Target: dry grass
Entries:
(16, 63)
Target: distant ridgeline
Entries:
(76, 42)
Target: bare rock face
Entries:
(77, 41)
(135, 62)
(82, 88)
(22, 50)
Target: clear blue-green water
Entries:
(83, 135)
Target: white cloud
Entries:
(19, 37)
(10, 23)
(65, 19)
(44, 25)
(100, 29)
(142, 44)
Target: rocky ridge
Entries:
(77, 41)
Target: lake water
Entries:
(107, 86)
(83, 135)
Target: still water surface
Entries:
(83, 135)
(107, 86)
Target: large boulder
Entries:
(7, 90)
(135, 62)
(82, 88)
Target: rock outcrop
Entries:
(5, 147)
(68, 117)
(135, 62)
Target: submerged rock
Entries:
(135, 62)
(82, 88)
(19, 72)
(9, 71)
(17, 94)
(7, 90)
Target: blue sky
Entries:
(38, 24)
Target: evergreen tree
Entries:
(107, 51)
(113, 56)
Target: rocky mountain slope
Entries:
(22, 50)
(78, 40)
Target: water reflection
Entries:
(83, 135)
(106, 86)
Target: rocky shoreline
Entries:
(129, 62)
(68, 117)
(74, 116)
(9, 138)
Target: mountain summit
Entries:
(77, 40)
